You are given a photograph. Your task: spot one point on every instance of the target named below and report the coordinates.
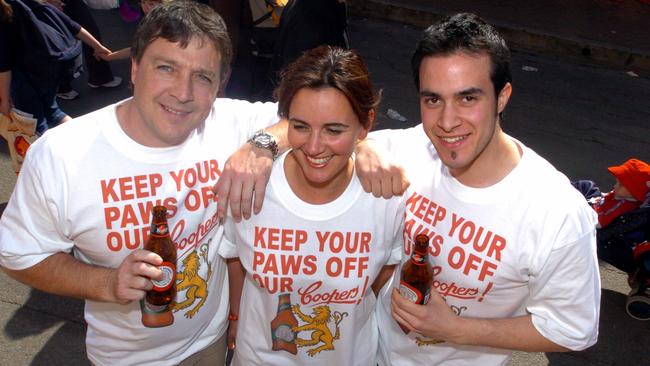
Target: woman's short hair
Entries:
(330, 67)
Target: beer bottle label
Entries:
(412, 294)
(159, 229)
(418, 259)
(169, 275)
(284, 333)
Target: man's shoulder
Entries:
(75, 135)
(405, 145)
(241, 114)
(84, 124)
(551, 195)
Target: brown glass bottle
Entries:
(417, 273)
(282, 334)
(156, 306)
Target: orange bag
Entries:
(19, 129)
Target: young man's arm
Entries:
(64, 275)
(436, 320)
(376, 173)
(563, 304)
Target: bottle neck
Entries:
(159, 229)
(284, 302)
(159, 225)
(419, 257)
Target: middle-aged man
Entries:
(512, 243)
(88, 187)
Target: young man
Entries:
(513, 270)
(88, 187)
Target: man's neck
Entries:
(123, 112)
(494, 163)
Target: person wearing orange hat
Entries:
(630, 191)
(624, 243)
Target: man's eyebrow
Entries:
(170, 61)
(470, 91)
(208, 72)
(428, 93)
(164, 59)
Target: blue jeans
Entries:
(38, 97)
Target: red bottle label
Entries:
(412, 294)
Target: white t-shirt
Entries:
(87, 188)
(326, 258)
(525, 245)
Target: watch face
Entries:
(264, 140)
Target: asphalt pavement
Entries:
(612, 33)
(609, 42)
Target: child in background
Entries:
(124, 53)
(629, 193)
(623, 241)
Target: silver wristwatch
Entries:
(265, 140)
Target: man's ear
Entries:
(223, 84)
(134, 70)
(504, 97)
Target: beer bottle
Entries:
(282, 334)
(156, 305)
(417, 274)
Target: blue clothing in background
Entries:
(39, 47)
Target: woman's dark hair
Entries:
(330, 67)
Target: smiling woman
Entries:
(329, 100)
(325, 261)
(323, 131)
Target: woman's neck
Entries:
(316, 193)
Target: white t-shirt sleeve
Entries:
(228, 245)
(395, 141)
(565, 295)
(397, 237)
(264, 115)
(248, 117)
(31, 228)
(241, 117)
